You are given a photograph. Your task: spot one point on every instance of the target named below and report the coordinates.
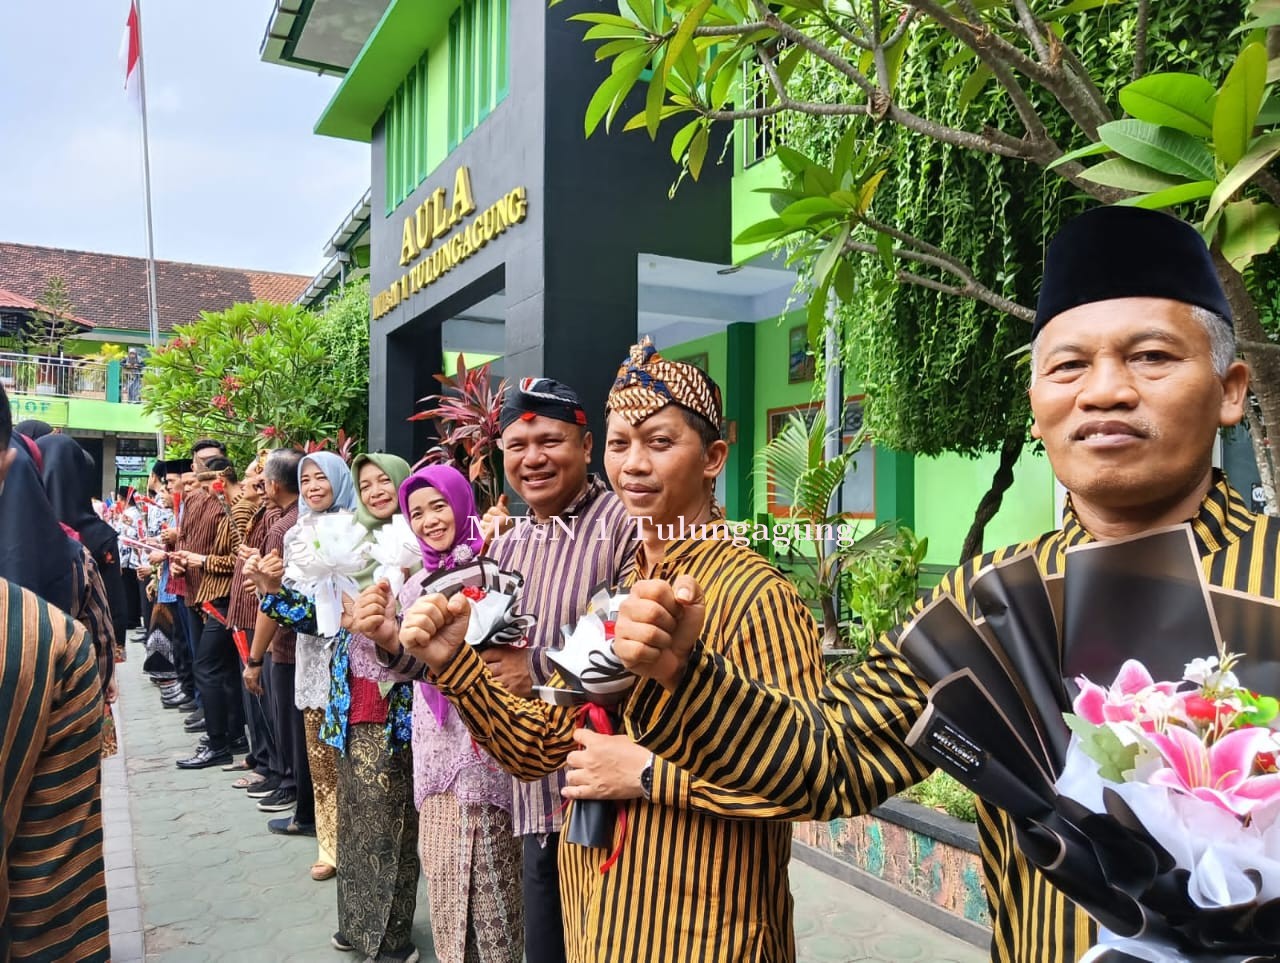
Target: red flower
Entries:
(1206, 711)
(269, 432)
(473, 592)
(608, 628)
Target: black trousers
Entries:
(132, 601)
(291, 738)
(219, 682)
(263, 756)
(543, 920)
(144, 604)
(183, 661)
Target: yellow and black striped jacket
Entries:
(844, 753)
(53, 897)
(699, 880)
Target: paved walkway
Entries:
(193, 873)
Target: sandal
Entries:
(322, 871)
(239, 765)
(248, 782)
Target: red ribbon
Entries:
(597, 717)
(209, 610)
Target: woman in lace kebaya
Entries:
(470, 858)
(368, 724)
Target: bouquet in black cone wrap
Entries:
(596, 682)
(494, 594)
(1154, 805)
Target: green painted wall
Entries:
(749, 207)
(110, 417)
(949, 487)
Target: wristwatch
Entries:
(646, 779)
(254, 663)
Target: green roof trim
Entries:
(406, 29)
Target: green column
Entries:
(739, 397)
(895, 487)
(113, 381)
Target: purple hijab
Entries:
(455, 488)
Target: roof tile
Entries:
(110, 290)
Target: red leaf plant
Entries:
(466, 415)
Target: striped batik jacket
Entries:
(53, 896)
(844, 753)
(591, 543)
(698, 879)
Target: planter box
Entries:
(920, 860)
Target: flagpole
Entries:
(152, 304)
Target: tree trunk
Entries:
(1265, 380)
(830, 623)
(990, 503)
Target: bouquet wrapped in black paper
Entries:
(596, 682)
(494, 594)
(1155, 804)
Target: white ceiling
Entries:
(679, 300)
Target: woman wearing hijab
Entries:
(324, 486)
(369, 722)
(470, 858)
(70, 480)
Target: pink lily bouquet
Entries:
(1195, 763)
(1152, 802)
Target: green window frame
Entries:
(406, 136)
(479, 64)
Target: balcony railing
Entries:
(26, 374)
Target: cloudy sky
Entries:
(238, 178)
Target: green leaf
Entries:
(884, 244)
(1259, 155)
(807, 208)
(653, 99)
(1248, 229)
(1170, 196)
(792, 159)
(1103, 746)
(1236, 112)
(867, 193)
(1127, 175)
(1088, 150)
(826, 262)
(609, 18)
(844, 281)
(1076, 6)
(1163, 149)
(610, 91)
(816, 313)
(1181, 101)
(768, 230)
(1269, 114)
(680, 142)
(698, 150)
(1273, 70)
(684, 33)
(973, 85)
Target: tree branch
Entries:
(903, 25)
(1031, 30)
(730, 30)
(922, 252)
(1140, 39)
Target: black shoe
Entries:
(239, 745)
(341, 943)
(265, 788)
(279, 801)
(191, 706)
(204, 741)
(178, 701)
(288, 826)
(193, 725)
(407, 955)
(204, 758)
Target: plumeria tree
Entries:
(255, 375)
(1019, 82)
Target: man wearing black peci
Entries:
(1134, 371)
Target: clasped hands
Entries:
(263, 574)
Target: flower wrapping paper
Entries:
(1169, 876)
(329, 551)
(395, 548)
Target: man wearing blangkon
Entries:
(1133, 374)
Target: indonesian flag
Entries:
(131, 50)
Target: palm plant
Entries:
(466, 413)
(795, 463)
